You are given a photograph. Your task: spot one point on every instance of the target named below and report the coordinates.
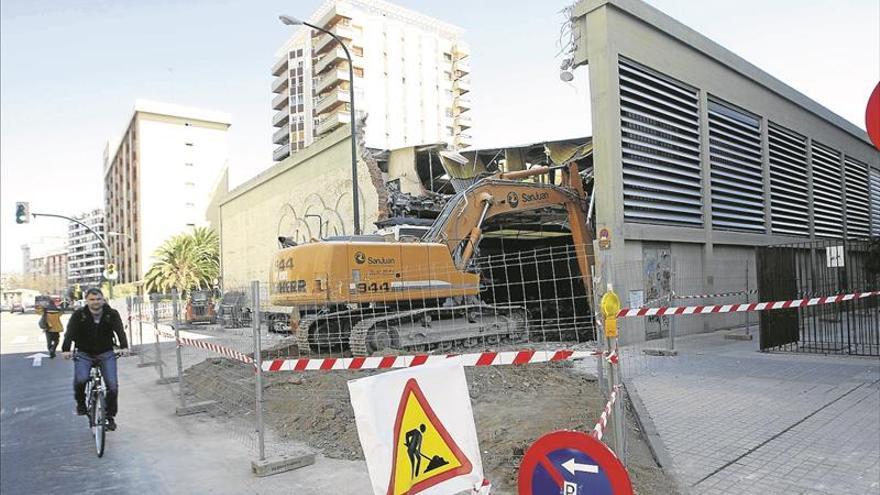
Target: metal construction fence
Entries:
(275, 376)
(818, 269)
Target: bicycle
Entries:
(96, 405)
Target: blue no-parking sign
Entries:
(572, 463)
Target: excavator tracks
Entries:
(444, 329)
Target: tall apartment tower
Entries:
(411, 78)
(159, 178)
(85, 253)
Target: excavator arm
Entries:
(459, 225)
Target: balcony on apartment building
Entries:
(462, 103)
(281, 153)
(281, 136)
(280, 83)
(338, 12)
(324, 41)
(462, 122)
(461, 68)
(332, 100)
(326, 61)
(333, 121)
(280, 101)
(461, 86)
(329, 80)
(280, 66)
(281, 118)
(461, 141)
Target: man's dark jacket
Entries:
(94, 338)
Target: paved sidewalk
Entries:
(736, 421)
(194, 455)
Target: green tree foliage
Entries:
(185, 262)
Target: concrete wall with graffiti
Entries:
(306, 197)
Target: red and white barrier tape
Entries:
(599, 429)
(722, 294)
(219, 349)
(388, 362)
(738, 308)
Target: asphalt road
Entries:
(46, 448)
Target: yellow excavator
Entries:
(367, 295)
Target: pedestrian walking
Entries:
(50, 323)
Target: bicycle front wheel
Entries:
(98, 416)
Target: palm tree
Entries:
(185, 262)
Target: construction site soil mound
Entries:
(513, 407)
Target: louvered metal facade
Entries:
(874, 190)
(827, 191)
(660, 128)
(857, 198)
(736, 169)
(789, 187)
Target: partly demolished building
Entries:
(696, 158)
(308, 196)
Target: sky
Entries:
(70, 71)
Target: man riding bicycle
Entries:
(92, 328)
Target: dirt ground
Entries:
(513, 406)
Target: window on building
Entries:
(660, 130)
(189, 144)
(736, 169)
(827, 191)
(857, 198)
(789, 188)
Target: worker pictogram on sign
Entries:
(416, 428)
(424, 452)
(572, 463)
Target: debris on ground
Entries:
(513, 407)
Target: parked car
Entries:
(6, 307)
(17, 308)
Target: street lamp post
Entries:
(293, 21)
(103, 241)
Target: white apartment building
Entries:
(85, 253)
(411, 78)
(158, 179)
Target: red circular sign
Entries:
(872, 117)
(571, 462)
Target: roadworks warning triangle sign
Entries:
(424, 452)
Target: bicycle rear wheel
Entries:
(98, 417)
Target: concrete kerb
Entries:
(195, 408)
(652, 436)
(660, 352)
(282, 463)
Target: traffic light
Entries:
(22, 212)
